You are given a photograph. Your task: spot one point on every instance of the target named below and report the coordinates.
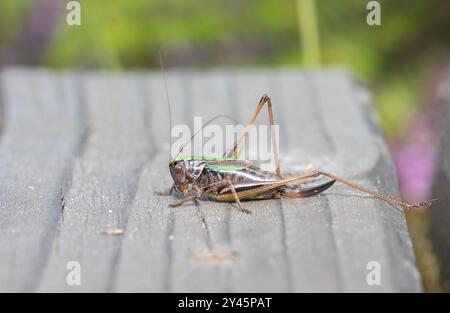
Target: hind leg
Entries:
(394, 202)
(238, 146)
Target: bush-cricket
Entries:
(229, 179)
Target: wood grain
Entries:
(83, 153)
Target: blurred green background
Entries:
(401, 61)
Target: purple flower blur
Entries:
(416, 156)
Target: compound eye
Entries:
(178, 168)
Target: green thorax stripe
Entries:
(216, 167)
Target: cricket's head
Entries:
(185, 171)
(178, 172)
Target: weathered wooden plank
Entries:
(440, 211)
(291, 235)
(308, 224)
(265, 267)
(40, 136)
(178, 233)
(205, 93)
(146, 258)
(103, 184)
(317, 244)
(361, 155)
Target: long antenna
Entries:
(161, 63)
